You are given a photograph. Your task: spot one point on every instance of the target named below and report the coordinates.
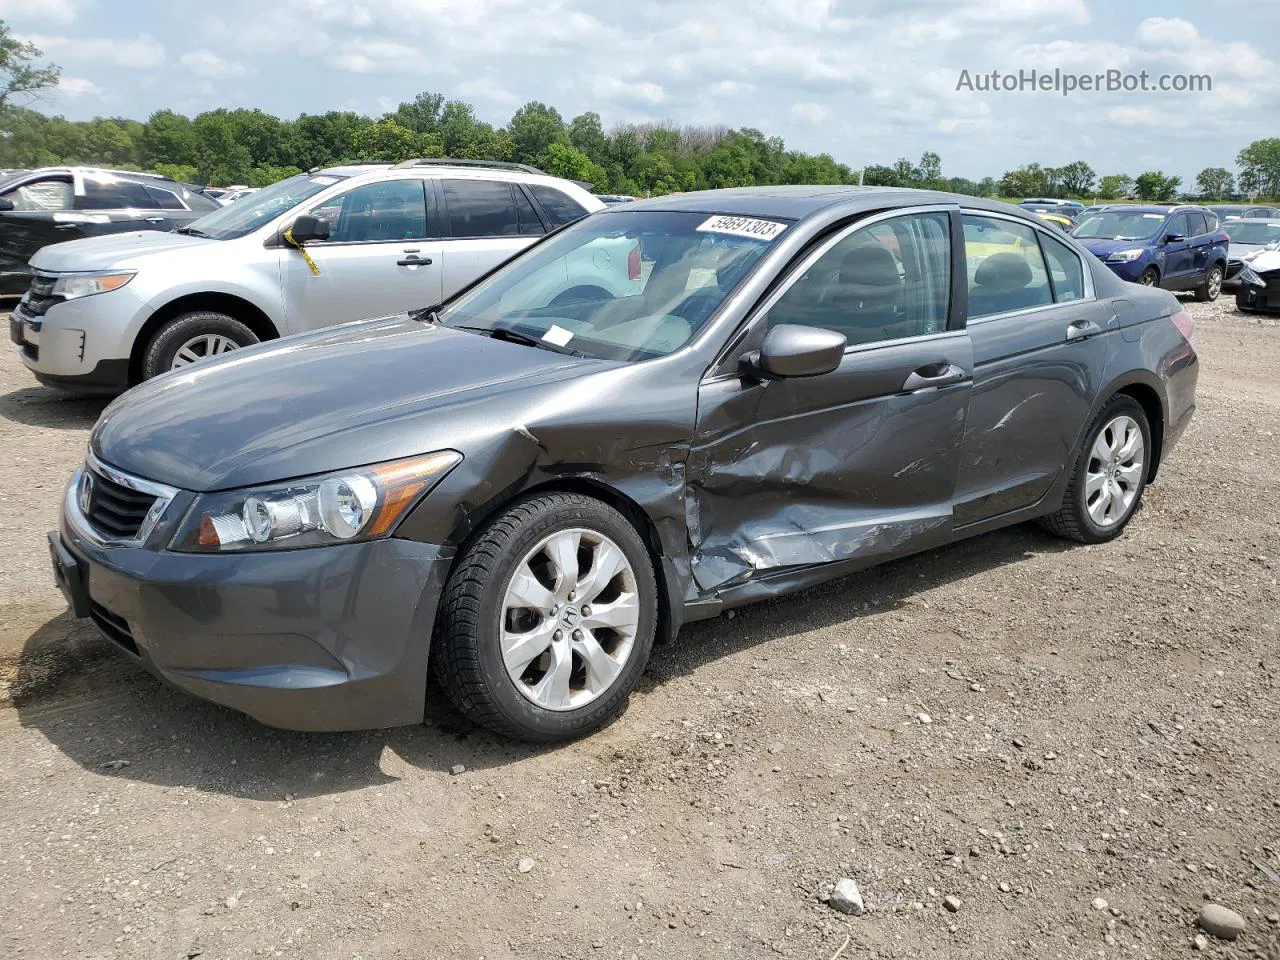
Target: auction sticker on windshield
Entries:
(748, 227)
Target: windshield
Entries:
(619, 285)
(1119, 225)
(248, 214)
(1253, 231)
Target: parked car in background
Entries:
(1258, 283)
(1248, 237)
(320, 248)
(1089, 211)
(613, 199)
(1225, 212)
(53, 204)
(1068, 211)
(1178, 248)
(522, 493)
(1063, 223)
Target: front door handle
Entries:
(1081, 329)
(414, 262)
(933, 376)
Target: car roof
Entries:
(1273, 220)
(798, 202)
(122, 174)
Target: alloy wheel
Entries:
(201, 348)
(1114, 475)
(1215, 283)
(570, 616)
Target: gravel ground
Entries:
(1075, 748)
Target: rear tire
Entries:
(517, 616)
(1212, 285)
(1107, 478)
(192, 337)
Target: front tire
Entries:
(193, 337)
(548, 620)
(1108, 477)
(1150, 277)
(1212, 285)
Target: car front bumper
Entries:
(319, 639)
(82, 344)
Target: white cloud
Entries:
(810, 112)
(641, 92)
(142, 53)
(1167, 32)
(78, 87)
(206, 63)
(487, 90)
(381, 56)
(43, 11)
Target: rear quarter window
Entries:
(559, 207)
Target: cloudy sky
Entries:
(865, 81)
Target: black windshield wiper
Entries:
(515, 336)
(193, 232)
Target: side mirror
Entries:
(1173, 238)
(308, 228)
(790, 350)
(5, 204)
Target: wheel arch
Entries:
(1149, 397)
(669, 603)
(234, 306)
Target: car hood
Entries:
(344, 396)
(1265, 262)
(1100, 248)
(1236, 249)
(111, 250)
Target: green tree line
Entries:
(255, 148)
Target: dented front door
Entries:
(854, 466)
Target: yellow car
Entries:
(1058, 220)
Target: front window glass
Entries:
(1119, 225)
(390, 210)
(1255, 231)
(258, 209)
(43, 195)
(884, 282)
(620, 285)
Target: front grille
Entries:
(40, 297)
(117, 510)
(114, 627)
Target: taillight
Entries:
(1186, 325)
(633, 263)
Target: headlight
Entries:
(87, 284)
(1125, 256)
(1249, 276)
(363, 503)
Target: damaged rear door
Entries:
(854, 466)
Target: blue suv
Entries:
(1178, 248)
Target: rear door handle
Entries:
(932, 377)
(154, 219)
(1081, 329)
(414, 262)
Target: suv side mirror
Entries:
(1173, 238)
(791, 350)
(5, 204)
(308, 228)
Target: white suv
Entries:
(106, 312)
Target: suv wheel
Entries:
(548, 619)
(1109, 476)
(193, 337)
(1150, 277)
(1212, 285)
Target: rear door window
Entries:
(1006, 269)
(165, 199)
(480, 209)
(530, 225)
(112, 194)
(559, 207)
(1066, 272)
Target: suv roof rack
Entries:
(448, 162)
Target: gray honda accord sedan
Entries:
(523, 492)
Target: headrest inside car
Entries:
(1003, 271)
(870, 265)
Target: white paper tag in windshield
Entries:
(1153, 216)
(748, 227)
(557, 336)
(325, 181)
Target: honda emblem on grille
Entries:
(85, 492)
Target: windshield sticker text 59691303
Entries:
(748, 227)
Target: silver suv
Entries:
(106, 312)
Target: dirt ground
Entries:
(1105, 725)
